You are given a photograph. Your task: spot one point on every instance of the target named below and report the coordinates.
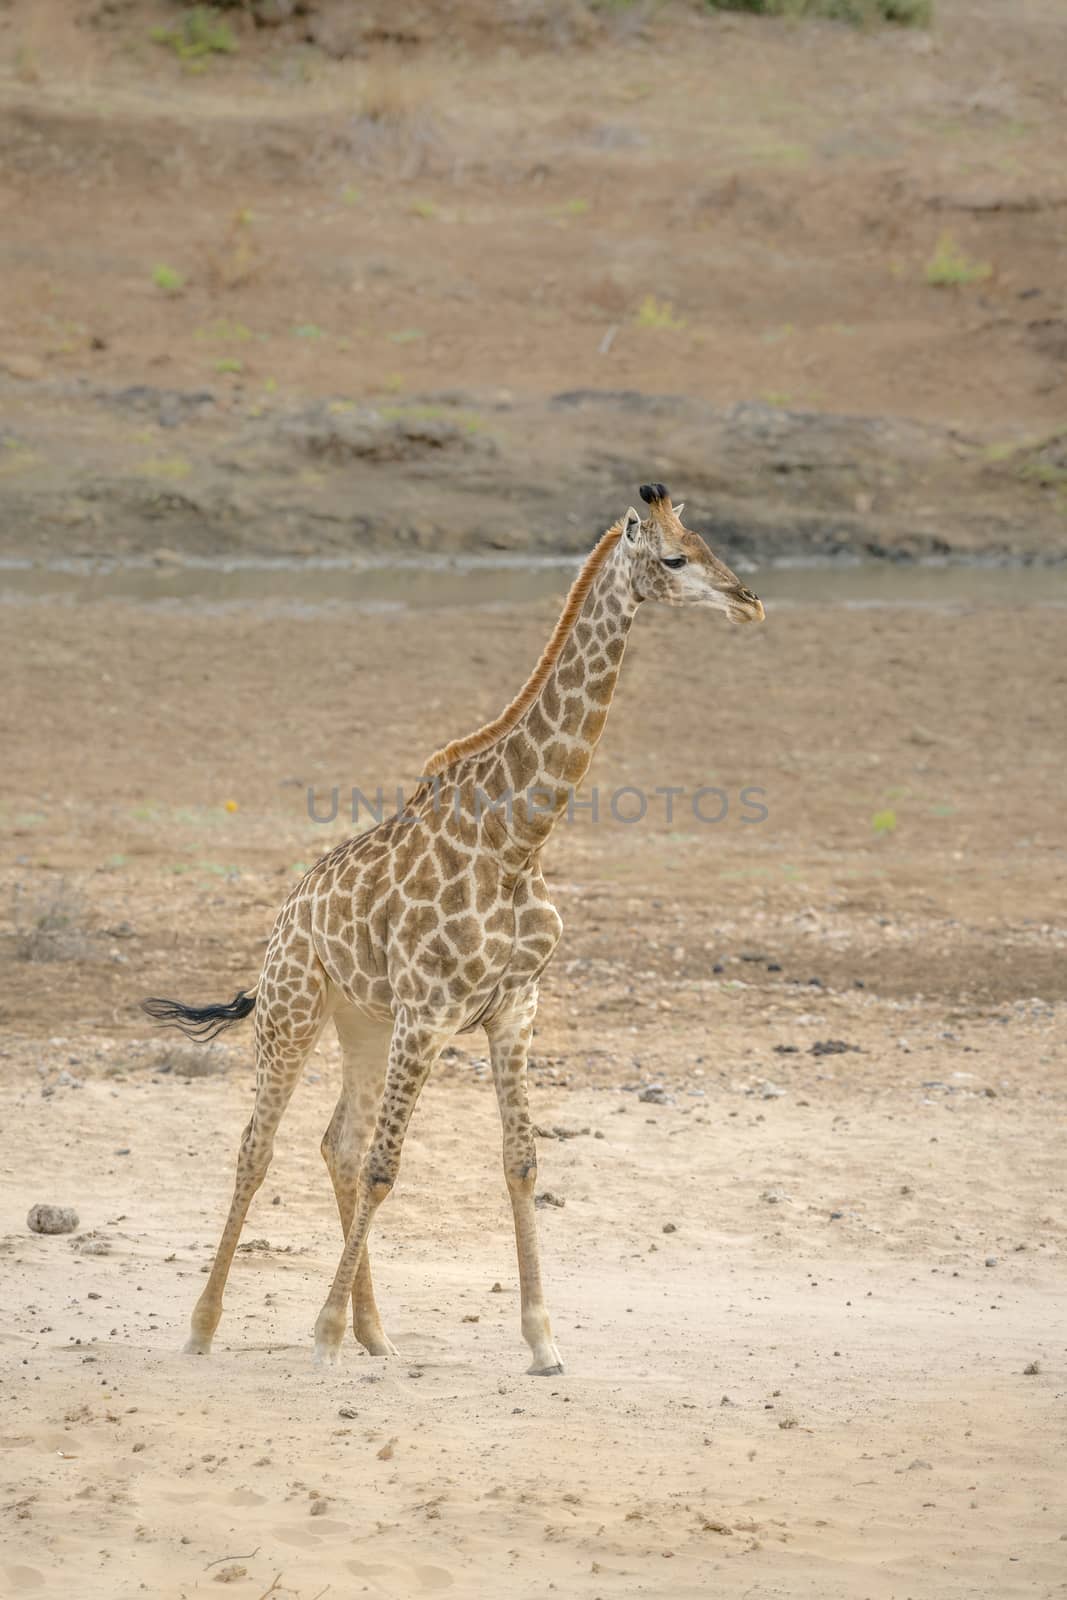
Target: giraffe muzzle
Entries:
(744, 606)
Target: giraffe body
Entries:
(438, 922)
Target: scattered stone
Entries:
(774, 1197)
(670, 1227)
(471, 1316)
(835, 1216)
(654, 1095)
(28, 368)
(990, 1261)
(348, 1412)
(832, 1047)
(498, 1288)
(318, 1508)
(786, 1049)
(43, 1218)
(788, 1422)
(547, 1198)
(1031, 1369)
(714, 1525)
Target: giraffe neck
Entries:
(545, 756)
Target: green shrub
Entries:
(168, 279)
(200, 32)
(949, 267)
(907, 13)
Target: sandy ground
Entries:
(815, 1384)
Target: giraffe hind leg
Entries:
(364, 1046)
(413, 1048)
(285, 1036)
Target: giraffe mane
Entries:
(474, 743)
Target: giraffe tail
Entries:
(201, 1023)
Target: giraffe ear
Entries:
(679, 508)
(631, 523)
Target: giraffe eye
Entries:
(674, 562)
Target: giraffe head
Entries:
(672, 564)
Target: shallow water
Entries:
(419, 583)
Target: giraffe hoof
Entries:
(326, 1355)
(195, 1346)
(379, 1345)
(545, 1372)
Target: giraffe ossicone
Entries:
(438, 922)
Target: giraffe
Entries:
(437, 922)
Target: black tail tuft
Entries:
(201, 1023)
(651, 492)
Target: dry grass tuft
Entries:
(192, 1061)
(50, 925)
(396, 127)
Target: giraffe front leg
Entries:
(412, 1051)
(509, 1046)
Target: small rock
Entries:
(28, 368)
(318, 1508)
(990, 1261)
(348, 1412)
(1031, 1369)
(51, 1219)
(654, 1095)
(774, 1197)
(498, 1288)
(547, 1198)
(670, 1227)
